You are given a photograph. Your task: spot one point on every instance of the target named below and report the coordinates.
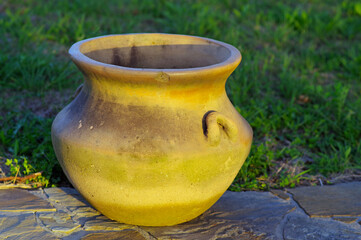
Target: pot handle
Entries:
(214, 122)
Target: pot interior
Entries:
(177, 56)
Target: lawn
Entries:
(299, 83)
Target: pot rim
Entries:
(80, 58)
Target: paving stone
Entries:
(280, 193)
(125, 234)
(22, 227)
(84, 214)
(346, 219)
(327, 201)
(300, 227)
(17, 200)
(59, 222)
(39, 193)
(67, 197)
(242, 215)
(102, 223)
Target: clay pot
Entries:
(152, 138)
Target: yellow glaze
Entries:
(152, 138)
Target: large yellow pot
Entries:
(152, 138)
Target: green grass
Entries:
(299, 83)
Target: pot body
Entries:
(150, 146)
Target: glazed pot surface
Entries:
(152, 138)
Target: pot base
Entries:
(167, 215)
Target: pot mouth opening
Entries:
(162, 56)
(154, 51)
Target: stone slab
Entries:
(60, 223)
(346, 219)
(67, 197)
(22, 227)
(125, 234)
(102, 223)
(280, 193)
(17, 200)
(237, 215)
(326, 201)
(303, 228)
(84, 214)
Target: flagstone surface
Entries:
(321, 212)
(326, 201)
(16, 200)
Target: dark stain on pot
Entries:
(142, 126)
(133, 62)
(116, 57)
(77, 91)
(78, 106)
